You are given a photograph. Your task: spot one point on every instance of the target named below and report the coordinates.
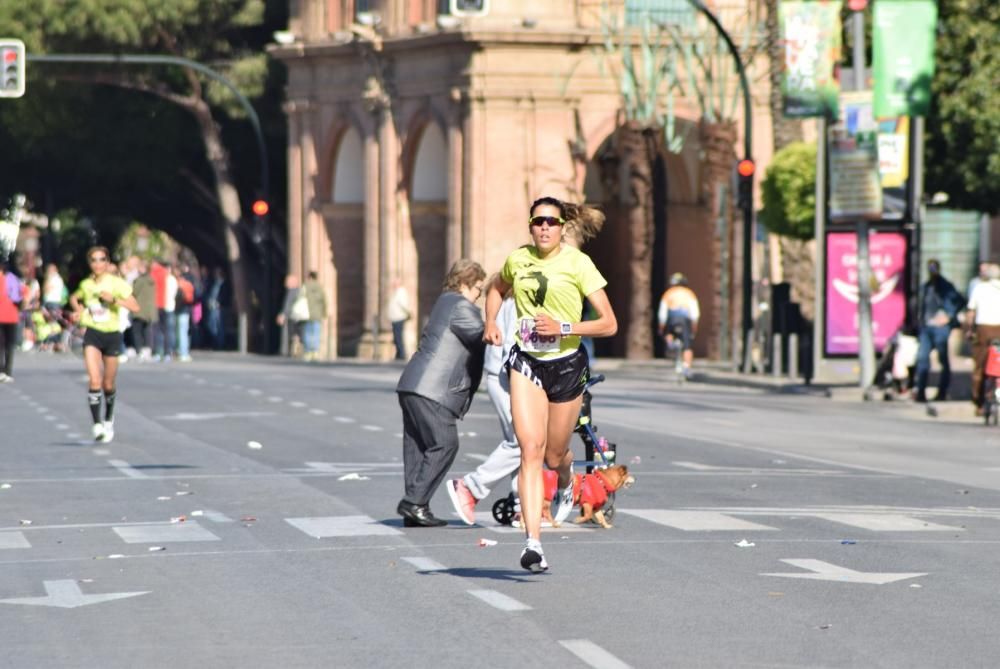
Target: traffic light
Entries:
(260, 207)
(744, 170)
(469, 7)
(12, 64)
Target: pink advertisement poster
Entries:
(888, 261)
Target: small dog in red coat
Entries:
(590, 491)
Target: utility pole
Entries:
(866, 342)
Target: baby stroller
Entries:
(894, 373)
(505, 507)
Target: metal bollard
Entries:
(793, 356)
(776, 366)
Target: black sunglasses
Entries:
(551, 221)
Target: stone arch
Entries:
(426, 185)
(341, 191)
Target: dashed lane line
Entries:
(127, 469)
(500, 601)
(592, 654)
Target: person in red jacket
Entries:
(11, 296)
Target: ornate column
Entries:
(295, 177)
(457, 223)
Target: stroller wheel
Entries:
(503, 510)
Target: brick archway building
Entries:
(424, 139)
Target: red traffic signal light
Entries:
(261, 207)
(12, 59)
(745, 168)
(857, 5)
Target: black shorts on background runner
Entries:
(108, 343)
(562, 379)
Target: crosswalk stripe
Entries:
(425, 563)
(189, 531)
(886, 522)
(341, 526)
(695, 521)
(13, 540)
(592, 654)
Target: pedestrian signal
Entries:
(12, 64)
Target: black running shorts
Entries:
(108, 343)
(562, 379)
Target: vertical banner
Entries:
(903, 56)
(855, 182)
(810, 31)
(888, 260)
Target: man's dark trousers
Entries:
(933, 337)
(397, 339)
(430, 444)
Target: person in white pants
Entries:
(506, 457)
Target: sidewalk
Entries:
(957, 409)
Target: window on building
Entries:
(444, 6)
(362, 6)
(674, 12)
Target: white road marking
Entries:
(424, 563)
(477, 456)
(275, 399)
(297, 405)
(317, 412)
(13, 540)
(217, 517)
(886, 522)
(371, 428)
(824, 571)
(697, 466)
(72, 435)
(62, 426)
(695, 521)
(341, 526)
(160, 534)
(254, 391)
(66, 594)
(343, 419)
(592, 654)
(127, 469)
(214, 416)
(344, 467)
(102, 451)
(486, 521)
(50, 417)
(498, 600)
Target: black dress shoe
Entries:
(418, 515)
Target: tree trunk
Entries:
(636, 145)
(229, 202)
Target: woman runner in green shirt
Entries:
(96, 305)
(548, 366)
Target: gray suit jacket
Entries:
(448, 364)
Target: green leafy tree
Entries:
(788, 192)
(963, 153)
(224, 34)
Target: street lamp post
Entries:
(747, 334)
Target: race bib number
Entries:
(534, 342)
(98, 312)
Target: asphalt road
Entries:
(244, 516)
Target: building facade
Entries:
(417, 137)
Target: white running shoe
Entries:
(98, 432)
(532, 557)
(109, 431)
(563, 502)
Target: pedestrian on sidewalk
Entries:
(548, 365)
(982, 327)
(313, 327)
(940, 303)
(11, 297)
(505, 459)
(398, 312)
(96, 305)
(294, 313)
(145, 320)
(436, 389)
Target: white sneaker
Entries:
(6, 379)
(563, 502)
(109, 431)
(532, 557)
(98, 432)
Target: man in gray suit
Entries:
(436, 390)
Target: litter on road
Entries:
(743, 543)
(485, 543)
(354, 476)
(255, 445)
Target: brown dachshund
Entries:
(590, 491)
